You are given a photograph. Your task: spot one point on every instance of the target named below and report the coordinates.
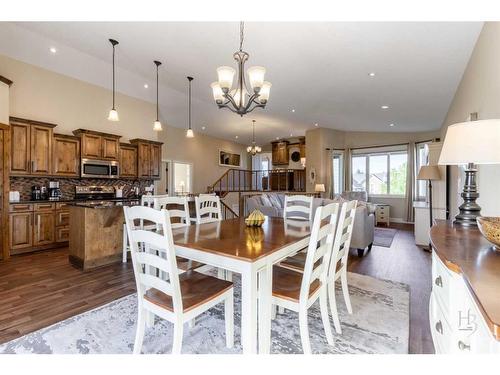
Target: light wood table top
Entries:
(232, 238)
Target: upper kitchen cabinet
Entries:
(97, 145)
(280, 153)
(66, 157)
(149, 158)
(128, 160)
(31, 147)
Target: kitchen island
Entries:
(96, 232)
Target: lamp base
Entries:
(469, 210)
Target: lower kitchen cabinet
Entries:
(21, 231)
(44, 228)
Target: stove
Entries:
(94, 192)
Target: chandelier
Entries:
(253, 149)
(240, 100)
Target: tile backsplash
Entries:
(67, 185)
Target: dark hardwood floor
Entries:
(40, 289)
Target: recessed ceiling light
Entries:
(53, 49)
(203, 127)
(316, 124)
(236, 136)
(277, 138)
(391, 125)
(146, 85)
(371, 74)
(384, 107)
(293, 109)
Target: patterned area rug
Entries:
(379, 324)
(384, 237)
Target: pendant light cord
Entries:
(189, 101)
(157, 92)
(113, 76)
(242, 30)
(253, 136)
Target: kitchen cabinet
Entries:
(148, 158)
(280, 153)
(31, 147)
(128, 161)
(21, 231)
(97, 145)
(44, 228)
(66, 156)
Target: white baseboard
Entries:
(400, 220)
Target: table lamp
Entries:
(319, 188)
(470, 143)
(430, 173)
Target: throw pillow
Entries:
(275, 201)
(265, 200)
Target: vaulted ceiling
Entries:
(319, 71)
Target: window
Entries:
(338, 172)
(421, 159)
(382, 173)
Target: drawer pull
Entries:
(463, 346)
(439, 281)
(439, 327)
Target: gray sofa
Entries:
(271, 204)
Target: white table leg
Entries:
(265, 292)
(249, 310)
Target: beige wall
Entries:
(202, 151)
(4, 103)
(479, 91)
(317, 140)
(43, 95)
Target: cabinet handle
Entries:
(439, 281)
(463, 346)
(439, 327)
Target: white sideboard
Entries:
(422, 221)
(456, 322)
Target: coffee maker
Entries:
(54, 191)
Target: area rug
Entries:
(384, 237)
(379, 324)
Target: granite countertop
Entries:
(73, 200)
(104, 203)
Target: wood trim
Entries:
(67, 136)
(31, 122)
(79, 132)
(129, 145)
(6, 80)
(139, 140)
(5, 160)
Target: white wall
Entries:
(479, 91)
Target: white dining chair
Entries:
(208, 210)
(180, 298)
(299, 291)
(177, 208)
(298, 207)
(340, 253)
(147, 201)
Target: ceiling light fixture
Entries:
(391, 125)
(189, 132)
(113, 114)
(316, 124)
(236, 136)
(53, 49)
(146, 86)
(157, 124)
(293, 110)
(253, 149)
(203, 127)
(240, 100)
(371, 74)
(384, 107)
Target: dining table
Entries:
(251, 252)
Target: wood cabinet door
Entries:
(128, 161)
(155, 161)
(66, 157)
(110, 148)
(41, 150)
(20, 149)
(44, 228)
(21, 230)
(91, 146)
(143, 160)
(282, 153)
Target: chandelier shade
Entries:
(239, 99)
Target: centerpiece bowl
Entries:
(490, 229)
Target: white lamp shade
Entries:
(190, 133)
(225, 76)
(256, 76)
(113, 115)
(264, 92)
(429, 172)
(157, 126)
(217, 91)
(472, 142)
(319, 188)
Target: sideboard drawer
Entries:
(441, 280)
(440, 328)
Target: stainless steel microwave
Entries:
(92, 168)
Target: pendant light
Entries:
(189, 132)
(113, 114)
(253, 149)
(157, 124)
